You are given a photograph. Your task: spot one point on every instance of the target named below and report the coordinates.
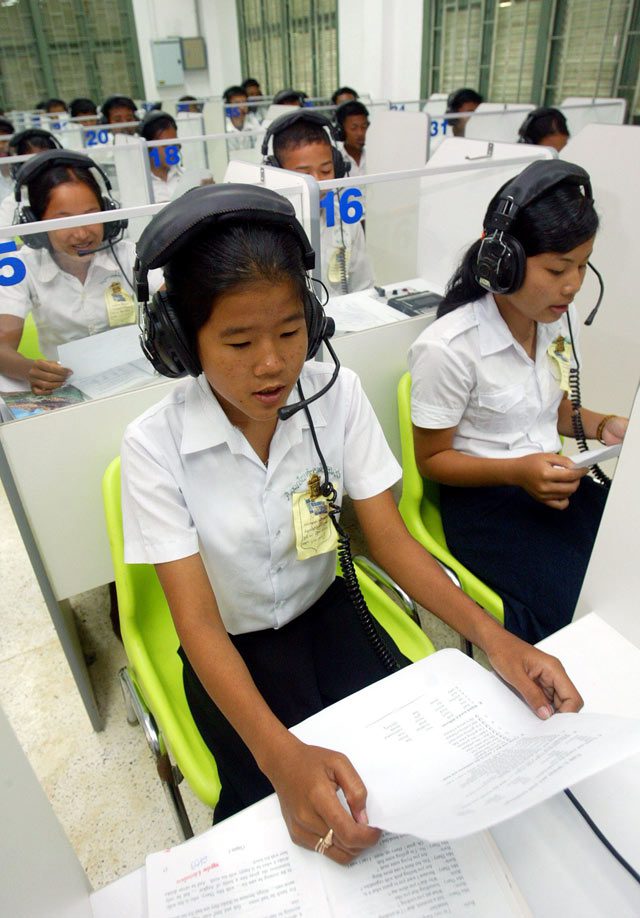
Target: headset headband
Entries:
(529, 185)
(283, 122)
(39, 163)
(212, 205)
(32, 134)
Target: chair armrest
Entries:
(450, 574)
(379, 576)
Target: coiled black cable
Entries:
(576, 416)
(342, 254)
(346, 560)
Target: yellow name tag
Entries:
(560, 353)
(121, 306)
(315, 532)
(334, 270)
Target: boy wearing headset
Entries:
(304, 142)
(352, 119)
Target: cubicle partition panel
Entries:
(498, 121)
(582, 111)
(461, 179)
(610, 347)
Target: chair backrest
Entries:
(29, 344)
(151, 645)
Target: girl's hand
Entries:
(306, 779)
(548, 477)
(47, 375)
(614, 430)
(538, 677)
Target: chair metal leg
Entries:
(169, 774)
(128, 704)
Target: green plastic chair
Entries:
(420, 509)
(152, 680)
(29, 344)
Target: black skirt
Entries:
(533, 556)
(317, 659)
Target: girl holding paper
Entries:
(76, 281)
(494, 385)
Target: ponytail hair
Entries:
(558, 221)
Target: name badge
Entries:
(560, 352)
(121, 306)
(315, 533)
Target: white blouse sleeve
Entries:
(441, 384)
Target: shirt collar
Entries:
(206, 425)
(49, 270)
(494, 333)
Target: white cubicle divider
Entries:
(396, 141)
(217, 157)
(497, 121)
(131, 162)
(580, 111)
(610, 347)
(454, 198)
(41, 874)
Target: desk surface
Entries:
(559, 865)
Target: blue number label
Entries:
(18, 270)
(329, 211)
(172, 156)
(96, 137)
(351, 210)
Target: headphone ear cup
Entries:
(164, 341)
(35, 240)
(338, 133)
(319, 327)
(340, 166)
(114, 228)
(500, 264)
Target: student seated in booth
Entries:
(238, 119)
(293, 97)
(164, 161)
(344, 94)
(462, 100)
(254, 94)
(119, 110)
(352, 120)
(304, 142)
(24, 143)
(83, 111)
(493, 390)
(77, 281)
(6, 182)
(214, 478)
(546, 127)
(189, 105)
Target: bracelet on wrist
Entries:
(601, 427)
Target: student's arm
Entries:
(539, 678)
(547, 477)
(305, 777)
(42, 376)
(613, 431)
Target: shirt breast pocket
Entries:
(502, 410)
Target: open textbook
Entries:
(445, 749)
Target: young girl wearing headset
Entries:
(214, 479)
(78, 281)
(491, 397)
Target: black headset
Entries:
(48, 159)
(501, 261)
(25, 137)
(283, 95)
(163, 338)
(341, 166)
(345, 110)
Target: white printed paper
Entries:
(97, 353)
(592, 456)
(116, 379)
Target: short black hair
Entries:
(346, 109)
(541, 122)
(289, 95)
(300, 134)
(52, 101)
(81, 106)
(6, 127)
(117, 102)
(154, 122)
(36, 138)
(250, 81)
(458, 97)
(340, 91)
(233, 91)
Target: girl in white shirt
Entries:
(214, 478)
(76, 282)
(490, 400)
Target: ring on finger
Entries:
(324, 842)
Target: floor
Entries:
(102, 786)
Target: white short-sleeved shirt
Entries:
(350, 237)
(63, 308)
(239, 140)
(163, 189)
(356, 168)
(469, 372)
(8, 209)
(191, 482)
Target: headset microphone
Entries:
(98, 248)
(289, 410)
(595, 309)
